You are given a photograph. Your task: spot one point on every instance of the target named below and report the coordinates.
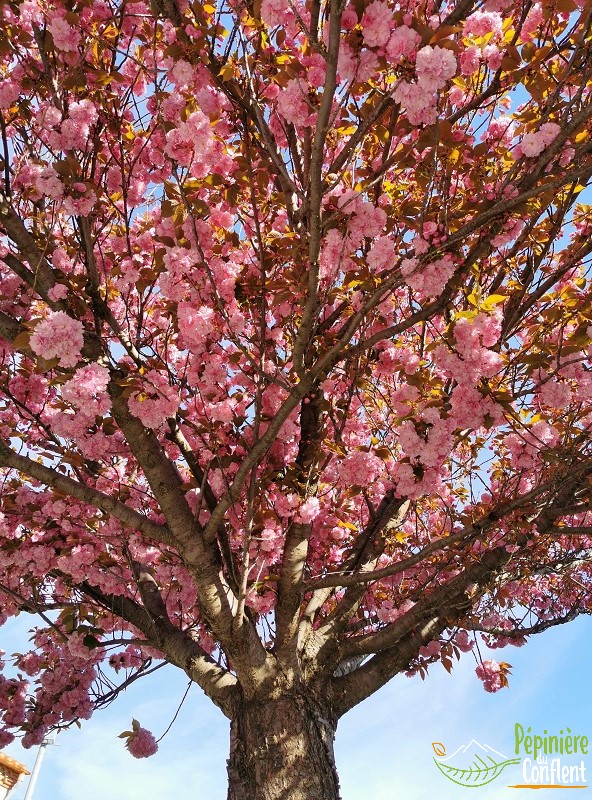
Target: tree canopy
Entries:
(296, 334)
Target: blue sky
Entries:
(383, 746)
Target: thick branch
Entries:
(161, 473)
(398, 643)
(465, 535)
(351, 689)
(43, 277)
(67, 486)
(9, 327)
(316, 187)
(298, 535)
(179, 647)
(289, 592)
(215, 596)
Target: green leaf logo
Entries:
(484, 765)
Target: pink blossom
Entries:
(308, 511)
(356, 66)
(493, 675)
(84, 112)
(494, 56)
(349, 18)
(65, 37)
(179, 262)
(541, 433)
(58, 336)
(377, 22)
(533, 144)
(273, 12)
(387, 611)
(270, 540)
(9, 92)
(31, 390)
(75, 130)
(332, 252)
(501, 129)
(292, 103)
(549, 131)
(430, 449)
(6, 738)
(155, 402)
(419, 102)
(368, 221)
(470, 59)
(350, 201)
(464, 642)
(79, 206)
(512, 228)
(182, 73)
(58, 292)
(469, 407)
(262, 603)
(457, 96)
(87, 389)
(195, 325)
(316, 69)
(141, 744)
(431, 278)
(430, 650)
(126, 659)
(172, 107)
(403, 42)
(285, 504)
(360, 468)
(434, 66)
(473, 338)
(566, 156)
(223, 412)
(44, 181)
(382, 254)
(532, 22)
(555, 394)
(190, 139)
(483, 22)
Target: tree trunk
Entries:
(281, 748)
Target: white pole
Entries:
(36, 768)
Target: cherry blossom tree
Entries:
(296, 323)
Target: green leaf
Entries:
(478, 774)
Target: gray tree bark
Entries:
(281, 748)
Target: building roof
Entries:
(12, 764)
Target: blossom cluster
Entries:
(140, 742)
(434, 67)
(58, 336)
(493, 674)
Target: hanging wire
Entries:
(172, 722)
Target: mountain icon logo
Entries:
(471, 765)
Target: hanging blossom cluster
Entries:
(140, 742)
(493, 675)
